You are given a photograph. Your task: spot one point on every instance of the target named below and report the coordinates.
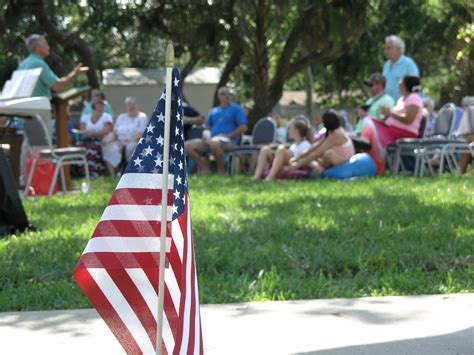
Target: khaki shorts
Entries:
(204, 147)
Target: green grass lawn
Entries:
(280, 241)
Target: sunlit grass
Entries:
(257, 241)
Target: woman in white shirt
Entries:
(127, 132)
(301, 133)
(94, 127)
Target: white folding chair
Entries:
(41, 147)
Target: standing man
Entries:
(397, 66)
(226, 122)
(378, 98)
(39, 50)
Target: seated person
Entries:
(128, 130)
(226, 122)
(402, 121)
(301, 133)
(191, 117)
(333, 149)
(93, 128)
(378, 98)
(97, 96)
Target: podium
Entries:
(61, 103)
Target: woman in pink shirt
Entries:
(401, 121)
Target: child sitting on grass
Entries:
(336, 147)
(301, 133)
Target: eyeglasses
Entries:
(225, 94)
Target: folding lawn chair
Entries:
(264, 132)
(39, 139)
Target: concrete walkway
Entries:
(441, 324)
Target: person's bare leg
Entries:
(317, 167)
(281, 159)
(263, 158)
(192, 153)
(218, 152)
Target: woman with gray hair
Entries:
(397, 66)
(127, 132)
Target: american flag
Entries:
(119, 268)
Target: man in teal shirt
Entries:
(378, 98)
(39, 50)
(397, 66)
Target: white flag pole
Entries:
(164, 196)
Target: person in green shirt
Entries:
(96, 96)
(378, 98)
(39, 49)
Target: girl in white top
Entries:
(127, 131)
(301, 133)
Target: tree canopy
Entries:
(263, 47)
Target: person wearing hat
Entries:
(378, 98)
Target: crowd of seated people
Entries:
(108, 141)
(394, 109)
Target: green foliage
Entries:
(429, 29)
(282, 241)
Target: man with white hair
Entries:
(397, 66)
(39, 50)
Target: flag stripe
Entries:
(126, 244)
(144, 181)
(120, 260)
(131, 228)
(134, 213)
(173, 287)
(139, 197)
(123, 309)
(178, 237)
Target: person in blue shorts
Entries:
(226, 122)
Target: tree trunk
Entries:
(308, 78)
(188, 67)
